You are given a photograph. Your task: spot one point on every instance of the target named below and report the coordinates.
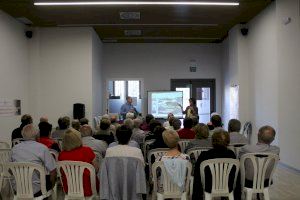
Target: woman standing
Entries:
(191, 110)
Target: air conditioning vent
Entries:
(132, 32)
(130, 15)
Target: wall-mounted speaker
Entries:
(244, 31)
(29, 34)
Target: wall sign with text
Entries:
(10, 107)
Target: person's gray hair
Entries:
(137, 123)
(71, 140)
(266, 134)
(129, 115)
(128, 123)
(86, 130)
(29, 133)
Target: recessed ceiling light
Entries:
(132, 32)
(130, 15)
(82, 3)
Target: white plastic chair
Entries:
(236, 148)
(156, 153)
(146, 147)
(263, 167)
(183, 144)
(4, 145)
(220, 169)
(54, 154)
(22, 172)
(4, 158)
(73, 171)
(170, 190)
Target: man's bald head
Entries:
(266, 134)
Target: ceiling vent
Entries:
(130, 15)
(132, 32)
(24, 20)
(109, 40)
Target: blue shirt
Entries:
(126, 107)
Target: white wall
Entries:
(289, 81)
(271, 54)
(97, 85)
(62, 67)
(158, 63)
(14, 70)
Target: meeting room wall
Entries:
(62, 66)
(14, 70)
(156, 64)
(272, 47)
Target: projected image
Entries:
(162, 103)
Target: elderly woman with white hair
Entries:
(138, 135)
(74, 151)
(34, 152)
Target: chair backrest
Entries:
(220, 169)
(23, 172)
(261, 167)
(236, 148)
(156, 153)
(73, 171)
(4, 145)
(54, 154)
(194, 153)
(146, 147)
(169, 188)
(4, 158)
(183, 144)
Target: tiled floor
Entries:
(286, 186)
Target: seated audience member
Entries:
(17, 133)
(114, 122)
(129, 115)
(76, 124)
(234, 127)
(34, 152)
(159, 141)
(176, 123)
(98, 146)
(153, 124)
(170, 124)
(128, 123)
(45, 131)
(201, 139)
(187, 132)
(137, 134)
(266, 135)
(122, 149)
(220, 141)
(216, 122)
(146, 124)
(167, 122)
(63, 125)
(74, 151)
(44, 119)
(105, 132)
(84, 121)
(195, 120)
(171, 139)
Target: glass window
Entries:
(134, 89)
(119, 87)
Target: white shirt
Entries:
(34, 152)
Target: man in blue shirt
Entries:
(127, 107)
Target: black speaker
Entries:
(78, 111)
(244, 31)
(29, 34)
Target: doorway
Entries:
(203, 90)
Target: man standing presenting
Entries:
(128, 107)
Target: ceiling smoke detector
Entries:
(132, 32)
(130, 15)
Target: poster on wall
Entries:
(10, 107)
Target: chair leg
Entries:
(248, 194)
(266, 194)
(207, 196)
(230, 197)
